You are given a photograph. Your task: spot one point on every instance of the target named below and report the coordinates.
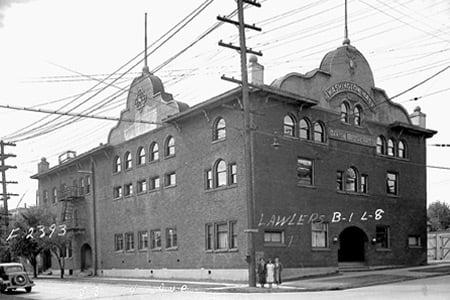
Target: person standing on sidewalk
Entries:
(270, 269)
(278, 269)
(261, 271)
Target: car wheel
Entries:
(28, 289)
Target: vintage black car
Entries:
(13, 276)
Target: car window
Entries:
(13, 269)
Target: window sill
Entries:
(118, 251)
(169, 156)
(308, 186)
(142, 193)
(218, 141)
(170, 186)
(143, 250)
(159, 249)
(221, 188)
(172, 248)
(352, 193)
(392, 196)
(414, 247)
(118, 198)
(393, 157)
(128, 196)
(128, 170)
(154, 190)
(320, 249)
(117, 173)
(153, 161)
(131, 251)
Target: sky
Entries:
(53, 50)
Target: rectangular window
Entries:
(304, 171)
(45, 197)
(154, 183)
(128, 189)
(155, 236)
(118, 242)
(170, 179)
(171, 238)
(392, 183)
(339, 180)
(414, 241)
(88, 184)
(142, 186)
(382, 237)
(319, 235)
(117, 192)
(129, 241)
(364, 184)
(142, 240)
(222, 236)
(68, 249)
(208, 179)
(233, 173)
(233, 235)
(274, 237)
(209, 234)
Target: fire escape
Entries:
(70, 198)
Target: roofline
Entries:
(231, 94)
(428, 133)
(71, 161)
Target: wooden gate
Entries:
(439, 246)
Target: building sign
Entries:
(351, 87)
(351, 137)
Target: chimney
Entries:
(255, 71)
(418, 118)
(43, 165)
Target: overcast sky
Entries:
(46, 44)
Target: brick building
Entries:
(339, 176)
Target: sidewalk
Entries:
(340, 281)
(350, 280)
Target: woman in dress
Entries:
(270, 269)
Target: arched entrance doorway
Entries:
(352, 241)
(86, 257)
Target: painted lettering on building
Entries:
(351, 137)
(298, 219)
(351, 87)
(40, 231)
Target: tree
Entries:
(439, 215)
(35, 230)
(20, 244)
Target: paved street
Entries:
(428, 288)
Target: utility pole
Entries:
(4, 182)
(248, 145)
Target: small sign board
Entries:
(251, 230)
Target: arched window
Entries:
(401, 149)
(154, 151)
(390, 147)
(319, 135)
(357, 115)
(170, 146)
(117, 164)
(344, 112)
(219, 131)
(141, 156)
(381, 145)
(304, 129)
(351, 183)
(289, 126)
(128, 161)
(220, 172)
